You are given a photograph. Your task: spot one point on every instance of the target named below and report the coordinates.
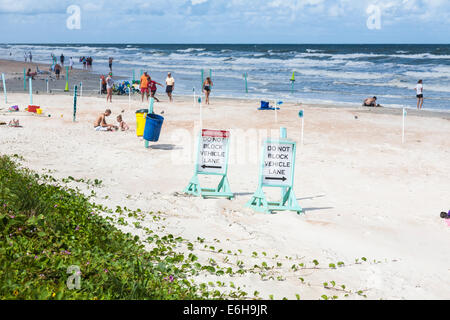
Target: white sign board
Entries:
(213, 152)
(278, 165)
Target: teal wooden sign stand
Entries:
(212, 159)
(277, 171)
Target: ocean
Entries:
(332, 74)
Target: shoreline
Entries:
(90, 79)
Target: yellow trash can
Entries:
(39, 111)
(141, 115)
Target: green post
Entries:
(246, 85)
(31, 91)
(67, 80)
(150, 111)
(4, 87)
(24, 80)
(292, 82)
(201, 86)
(134, 78)
(75, 103)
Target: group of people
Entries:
(28, 56)
(372, 102)
(87, 62)
(100, 123)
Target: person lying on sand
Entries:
(31, 74)
(122, 125)
(371, 102)
(101, 125)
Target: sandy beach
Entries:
(364, 193)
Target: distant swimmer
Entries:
(419, 94)
(371, 102)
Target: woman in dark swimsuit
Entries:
(207, 88)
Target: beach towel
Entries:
(100, 128)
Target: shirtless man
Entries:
(101, 125)
(371, 102)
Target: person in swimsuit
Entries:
(109, 87)
(207, 85)
(152, 86)
(57, 71)
(170, 85)
(101, 125)
(419, 94)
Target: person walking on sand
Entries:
(109, 87)
(170, 86)
(144, 85)
(152, 86)
(207, 85)
(419, 94)
(100, 123)
(62, 59)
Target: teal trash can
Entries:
(153, 125)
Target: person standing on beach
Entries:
(109, 87)
(419, 94)
(25, 55)
(144, 85)
(170, 85)
(71, 63)
(30, 56)
(207, 85)
(57, 71)
(110, 63)
(62, 59)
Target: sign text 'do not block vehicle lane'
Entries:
(213, 152)
(278, 164)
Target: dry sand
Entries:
(364, 193)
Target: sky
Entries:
(225, 21)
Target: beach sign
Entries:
(277, 171)
(4, 87)
(212, 159)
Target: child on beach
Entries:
(419, 94)
(152, 87)
(122, 125)
(100, 123)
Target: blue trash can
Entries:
(153, 125)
